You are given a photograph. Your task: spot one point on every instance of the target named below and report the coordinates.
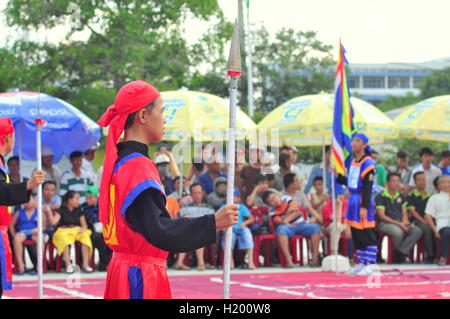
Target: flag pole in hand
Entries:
(234, 72)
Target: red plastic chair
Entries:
(438, 251)
(29, 243)
(390, 257)
(258, 240)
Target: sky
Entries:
(373, 31)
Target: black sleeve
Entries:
(367, 186)
(12, 194)
(148, 216)
(341, 179)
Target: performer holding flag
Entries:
(11, 194)
(136, 224)
(361, 173)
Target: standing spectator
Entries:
(251, 171)
(26, 221)
(318, 198)
(417, 202)
(87, 163)
(381, 174)
(318, 171)
(255, 198)
(72, 227)
(164, 149)
(285, 168)
(292, 189)
(391, 210)
(293, 152)
(196, 169)
(241, 233)
(196, 209)
(53, 172)
(162, 163)
(444, 163)
(404, 170)
(206, 179)
(90, 212)
(289, 221)
(51, 202)
(431, 171)
(438, 207)
(14, 170)
(219, 196)
(76, 179)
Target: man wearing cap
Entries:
(162, 163)
(136, 224)
(53, 172)
(11, 194)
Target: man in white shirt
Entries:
(53, 172)
(431, 171)
(438, 207)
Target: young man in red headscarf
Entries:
(11, 194)
(136, 224)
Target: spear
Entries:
(234, 72)
(39, 124)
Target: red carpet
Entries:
(404, 284)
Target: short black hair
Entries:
(259, 179)
(13, 158)
(402, 154)
(445, 153)
(266, 195)
(317, 178)
(163, 145)
(76, 154)
(283, 158)
(374, 152)
(436, 182)
(288, 179)
(327, 148)
(130, 119)
(194, 185)
(48, 183)
(393, 174)
(417, 174)
(177, 178)
(286, 148)
(426, 151)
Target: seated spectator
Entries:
(329, 224)
(183, 197)
(213, 171)
(285, 168)
(250, 171)
(53, 172)
(164, 149)
(219, 196)
(293, 152)
(90, 212)
(255, 198)
(76, 179)
(438, 208)
(87, 162)
(381, 175)
(196, 209)
(292, 189)
(72, 227)
(444, 163)
(26, 221)
(14, 174)
(318, 198)
(50, 205)
(417, 202)
(241, 233)
(289, 221)
(431, 171)
(394, 221)
(162, 163)
(404, 170)
(196, 169)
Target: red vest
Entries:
(137, 269)
(5, 248)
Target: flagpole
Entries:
(249, 65)
(234, 71)
(39, 200)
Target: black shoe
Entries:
(399, 257)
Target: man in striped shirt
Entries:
(76, 179)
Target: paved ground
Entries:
(405, 282)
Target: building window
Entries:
(353, 82)
(417, 80)
(398, 82)
(373, 82)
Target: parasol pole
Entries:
(39, 125)
(234, 72)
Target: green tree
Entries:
(394, 102)
(437, 83)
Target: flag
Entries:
(248, 4)
(343, 126)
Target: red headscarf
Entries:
(131, 98)
(6, 128)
